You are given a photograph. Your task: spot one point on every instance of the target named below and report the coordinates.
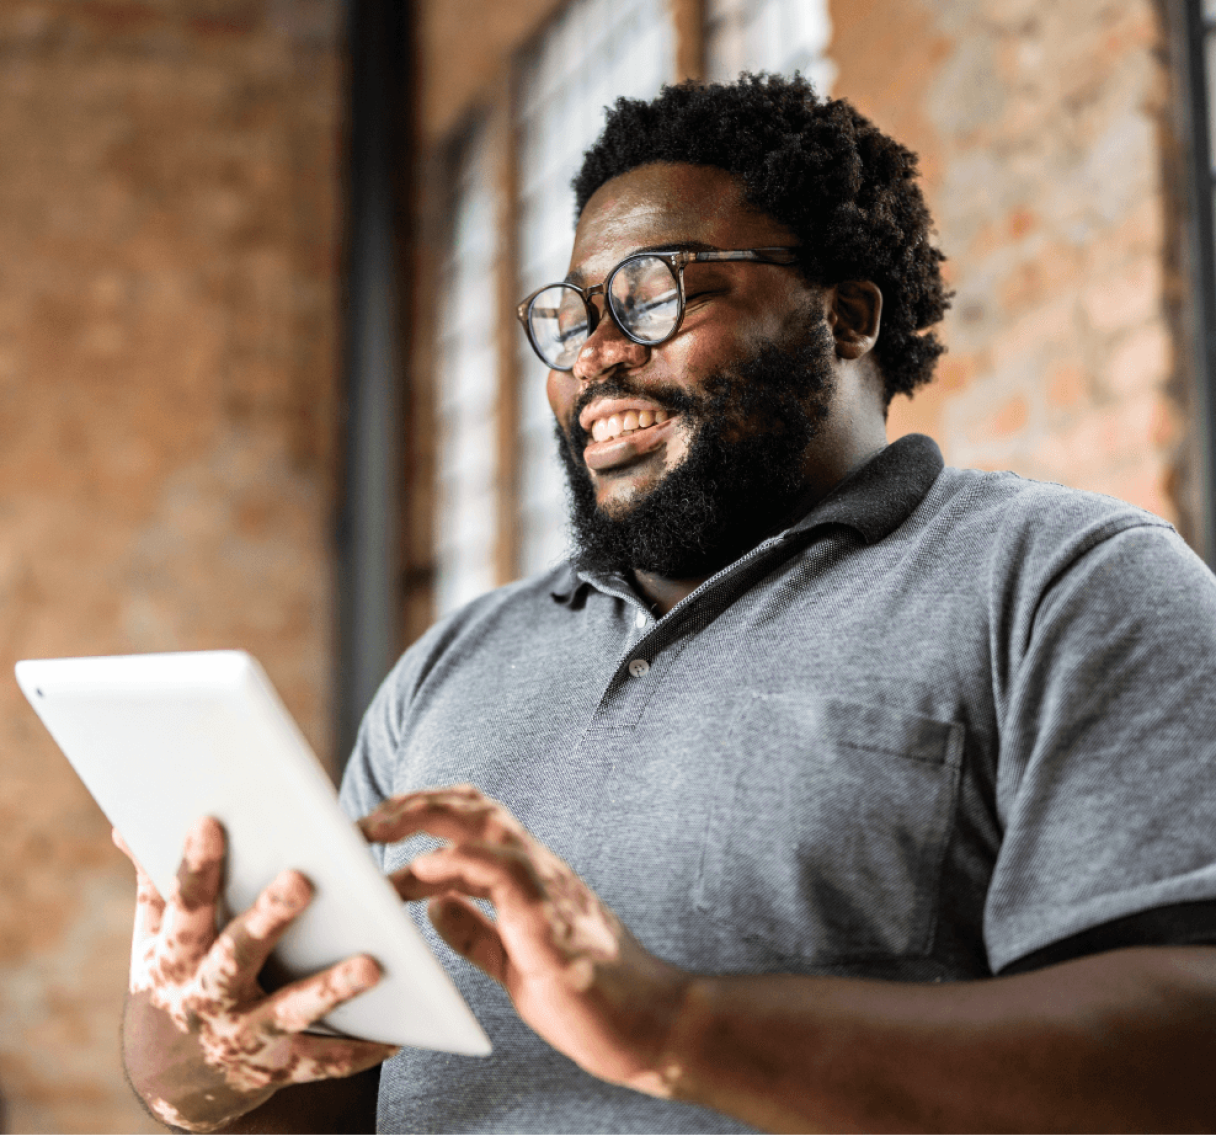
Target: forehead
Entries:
(667, 203)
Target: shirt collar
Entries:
(877, 498)
(873, 501)
(566, 583)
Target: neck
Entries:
(663, 593)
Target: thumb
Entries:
(125, 849)
(469, 933)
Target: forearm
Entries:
(345, 1105)
(1122, 1041)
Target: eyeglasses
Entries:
(644, 294)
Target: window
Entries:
(769, 35)
(591, 53)
(466, 387)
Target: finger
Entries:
(319, 1058)
(230, 969)
(501, 875)
(457, 814)
(383, 821)
(148, 901)
(123, 846)
(188, 926)
(149, 912)
(469, 933)
(543, 921)
(297, 1006)
(410, 887)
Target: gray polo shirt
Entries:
(949, 724)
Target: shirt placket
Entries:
(652, 646)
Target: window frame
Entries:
(501, 112)
(1199, 256)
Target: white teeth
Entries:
(615, 425)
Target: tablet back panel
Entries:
(160, 740)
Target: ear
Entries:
(854, 315)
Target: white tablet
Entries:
(161, 740)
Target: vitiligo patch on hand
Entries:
(237, 756)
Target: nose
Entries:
(607, 348)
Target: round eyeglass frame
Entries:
(676, 261)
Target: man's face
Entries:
(732, 401)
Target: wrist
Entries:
(666, 1008)
(166, 1070)
(673, 1071)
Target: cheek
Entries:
(710, 344)
(561, 390)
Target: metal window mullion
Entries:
(1199, 30)
(368, 549)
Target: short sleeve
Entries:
(1107, 771)
(368, 777)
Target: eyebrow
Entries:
(576, 277)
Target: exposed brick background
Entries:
(168, 312)
(1040, 129)
(462, 48)
(169, 282)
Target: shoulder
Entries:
(489, 626)
(498, 617)
(1052, 565)
(1033, 528)
(1010, 503)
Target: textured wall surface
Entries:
(1040, 128)
(463, 48)
(168, 361)
(168, 383)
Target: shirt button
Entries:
(638, 667)
(641, 620)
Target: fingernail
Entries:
(362, 972)
(204, 841)
(291, 890)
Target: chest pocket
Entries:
(828, 828)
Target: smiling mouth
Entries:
(619, 440)
(615, 425)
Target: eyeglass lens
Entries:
(644, 298)
(557, 319)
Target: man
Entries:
(825, 788)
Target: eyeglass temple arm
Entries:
(777, 254)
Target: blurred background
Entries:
(261, 384)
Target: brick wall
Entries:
(1040, 128)
(463, 49)
(168, 392)
(168, 363)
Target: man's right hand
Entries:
(203, 1043)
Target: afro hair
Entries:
(820, 168)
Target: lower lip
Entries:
(626, 448)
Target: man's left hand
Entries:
(574, 972)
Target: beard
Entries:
(742, 477)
